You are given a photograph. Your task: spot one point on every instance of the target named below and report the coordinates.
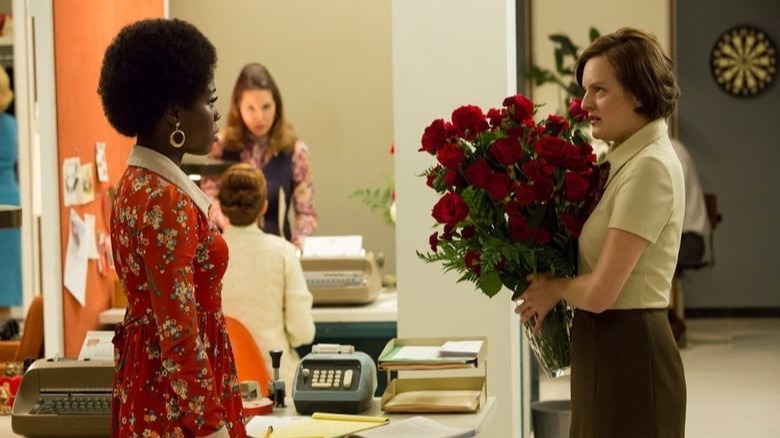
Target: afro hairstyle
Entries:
(150, 66)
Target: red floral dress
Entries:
(175, 374)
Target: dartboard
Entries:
(744, 61)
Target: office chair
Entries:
(250, 363)
(31, 343)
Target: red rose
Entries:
(450, 209)
(506, 151)
(551, 149)
(575, 110)
(537, 171)
(543, 190)
(519, 228)
(472, 261)
(525, 195)
(469, 120)
(435, 136)
(573, 224)
(576, 186)
(556, 124)
(513, 209)
(542, 236)
(451, 156)
(434, 241)
(498, 186)
(449, 230)
(430, 178)
(520, 107)
(452, 178)
(496, 115)
(478, 174)
(572, 158)
(468, 232)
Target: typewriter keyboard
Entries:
(73, 404)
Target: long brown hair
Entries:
(281, 137)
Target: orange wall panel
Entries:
(82, 31)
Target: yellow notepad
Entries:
(325, 425)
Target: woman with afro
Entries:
(175, 374)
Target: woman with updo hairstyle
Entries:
(264, 287)
(174, 370)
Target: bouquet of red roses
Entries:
(515, 194)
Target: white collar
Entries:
(141, 156)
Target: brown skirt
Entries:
(627, 377)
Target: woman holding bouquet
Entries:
(627, 376)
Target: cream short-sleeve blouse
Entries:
(645, 195)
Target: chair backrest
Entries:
(250, 363)
(715, 218)
(31, 344)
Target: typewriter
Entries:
(64, 398)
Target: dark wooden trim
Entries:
(726, 312)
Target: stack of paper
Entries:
(467, 349)
(421, 357)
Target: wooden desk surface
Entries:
(384, 309)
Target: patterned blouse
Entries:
(175, 374)
(256, 152)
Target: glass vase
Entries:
(552, 344)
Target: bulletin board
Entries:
(82, 31)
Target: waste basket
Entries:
(551, 418)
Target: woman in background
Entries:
(263, 287)
(257, 133)
(10, 239)
(175, 374)
(627, 377)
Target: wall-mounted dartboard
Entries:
(744, 61)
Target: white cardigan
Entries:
(264, 288)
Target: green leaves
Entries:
(490, 283)
(378, 198)
(566, 54)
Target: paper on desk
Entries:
(415, 352)
(461, 348)
(258, 425)
(319, 425)
(417, 427)
(97, 346)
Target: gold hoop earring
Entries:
(172, 138)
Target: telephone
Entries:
(342, 279)
(334, 378)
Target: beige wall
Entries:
(333, 63)
(575, 20)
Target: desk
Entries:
(383, 311)
(477, 421)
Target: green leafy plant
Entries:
(566, 55)
(380, 199)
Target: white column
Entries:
(45, 120)
(445, 54)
